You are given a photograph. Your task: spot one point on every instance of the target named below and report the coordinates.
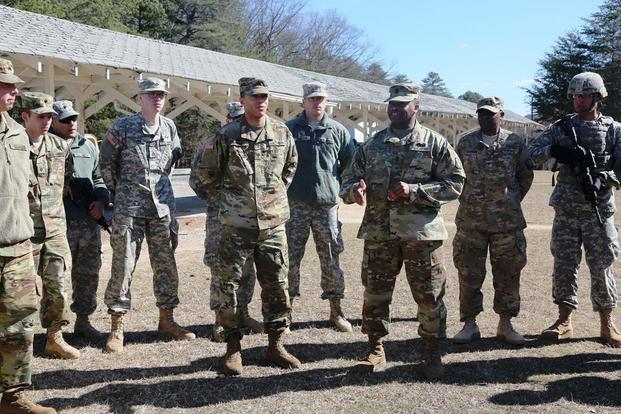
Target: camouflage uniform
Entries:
(490, 217)
(248, 170)
(575, 223)
(404, 231)
(135, 165)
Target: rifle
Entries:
(83, 195)
(585, 168)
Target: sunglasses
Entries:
(68, 120)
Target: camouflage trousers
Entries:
(52, 259)
(507, 252)
(424, 269)
(213, 232)
(269, 248)
(324, 222)
(570, 231)
(84, 237)
(18, 305)
(128, 234)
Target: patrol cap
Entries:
(37, 102)
(493, 104)
(312, 89)
(252, 86)
(234, 109)
(7, 74)
(64, 110)
(403, 92)
(152, 85)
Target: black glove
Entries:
(176, 156)
(605, 179)
(566, 155)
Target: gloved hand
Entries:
(605, 179)
(567, 155)
(176, 156)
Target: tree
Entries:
(433, 84)
(470, 96)
(400, 78)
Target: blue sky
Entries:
(491, 47)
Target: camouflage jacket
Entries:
(602, 137)
(426, 162)
(136, 166)
(52, 164)
(498, 176)
(249, 171)
(16, 179)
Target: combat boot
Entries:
(506, 333)
(232, 360)
(276, 352)
(562, 328)
(468, 333)
(432, 359)
(609, 331)
(168, 327)
(56, 347)
(83, 328)
(218, 329)
(16, 403)
(375, 361)
(249, 322)
(114, 343)
(337, 318)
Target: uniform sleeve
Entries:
(291, 162)
(109, 157)
(539, 147)
(195, 183)
(69, 169)
(346, 152)
(353, 174)
(616, 167)
(211, 159)
(101, 191)
(524, 173)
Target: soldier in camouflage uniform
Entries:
(18, 296)
(325, 149)
(576, 222)
(500, 173)
(83, 207)
(248, 166)
(136, 160)
(52, 164)
(404, 174)
(213, 231)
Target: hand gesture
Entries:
(360, 193)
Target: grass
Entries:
(155, 376)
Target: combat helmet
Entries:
(586, 83)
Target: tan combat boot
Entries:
(276, 352)
(507, 334)
(375, 361)
(218, 329)
(468, 333)
(168, 327)
(16, 403)
(232, 360)
(432, 359)
(83, 328)
(562, 328)
(114, 343)
(609, 331)
(337, 318)
(56, 347)
(249, 322)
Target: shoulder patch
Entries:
(112, 140)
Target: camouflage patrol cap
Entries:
(252, 86)
(493, 104)
(7, 74)
(37, 102)
(64, 110)
(312, 89)
(152, 85)
(403, 92)
(234, 109)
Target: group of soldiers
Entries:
(267, 185)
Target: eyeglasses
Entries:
(68, 120)
(155, 95)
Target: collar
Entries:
(302, 119)
(247, 132)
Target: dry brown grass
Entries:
(154, 376)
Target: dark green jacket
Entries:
(323, 155)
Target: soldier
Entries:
(500, 173)
(52, 164)
(18, 296)
(83, 208)
(404, 173)
(136, 160)
(248, 166)
(577, 218)
(213, 231)
(325, 149)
